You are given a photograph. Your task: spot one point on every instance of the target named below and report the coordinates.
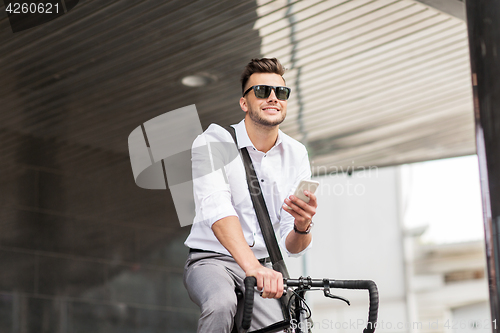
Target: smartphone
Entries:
(305, 185)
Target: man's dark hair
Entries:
(264, 65)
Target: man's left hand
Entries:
(302, 212)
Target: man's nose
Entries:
(272, 96)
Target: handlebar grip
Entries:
(373, 294)
(373, 310)
(250, 283)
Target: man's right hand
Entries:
(228, 232)
(269, 281)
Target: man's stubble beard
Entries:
(257, 119)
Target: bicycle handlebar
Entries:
(250, 283)
(307, 283)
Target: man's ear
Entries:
(243, 104)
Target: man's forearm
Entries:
(229, 233)
(296, 243)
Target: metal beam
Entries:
(484, 36)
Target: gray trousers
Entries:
(210, 280)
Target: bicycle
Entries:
(297, 320)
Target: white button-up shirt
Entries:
(224, 191)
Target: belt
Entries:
(262, 260)
(199, 250)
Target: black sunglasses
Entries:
(263, 91)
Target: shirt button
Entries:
(262, 180)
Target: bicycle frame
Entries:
(298, 321)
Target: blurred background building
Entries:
(375, 84)
(414, 229)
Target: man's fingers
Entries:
(306, 210)
(280, 287)
(300, 217)
(298, 202)
(272, 287)
(301, 206)
(260, 282)
(267, 288)
(294, 206)
(292, 212)
(299, 213)
(269, 283)
(312, 199)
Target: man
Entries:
(226, 241)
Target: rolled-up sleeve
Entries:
(211, 190)
(287, 220)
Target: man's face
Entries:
(268, 111)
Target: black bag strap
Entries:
(264, 222)
(261, 210)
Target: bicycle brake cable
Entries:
(307, 308)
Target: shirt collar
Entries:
(244, 139)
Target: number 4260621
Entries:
(463, 324)
(32, 8)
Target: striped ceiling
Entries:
(378, 82)
(374, 83)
